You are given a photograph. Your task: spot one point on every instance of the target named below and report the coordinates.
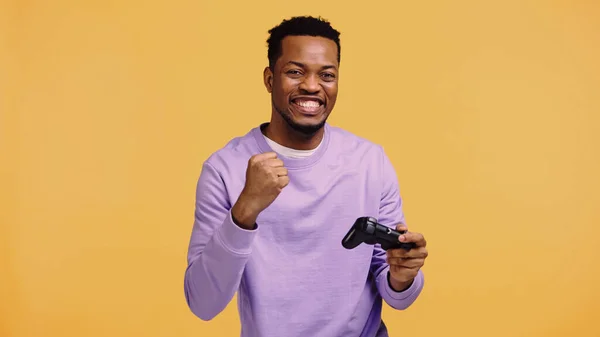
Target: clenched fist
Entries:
(404, 265)
(265, 179)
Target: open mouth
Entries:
(311, 106)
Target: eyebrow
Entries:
(302, 65)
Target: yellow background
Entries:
(489, 111)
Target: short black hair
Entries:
(299, 26)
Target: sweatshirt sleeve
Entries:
(391, 214)
(218, 249)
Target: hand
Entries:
(404, 265)
(265, 179)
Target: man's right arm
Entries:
(218, 249)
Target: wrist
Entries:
(243, 215)
(398, 286)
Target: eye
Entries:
(293, 72)
(328, 76)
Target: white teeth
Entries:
(308, 104)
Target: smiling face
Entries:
(304, 83)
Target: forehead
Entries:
(310, 50)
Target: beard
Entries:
(306, 130)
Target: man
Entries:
(272, 207)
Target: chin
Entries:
(302, 122)
(306, 128)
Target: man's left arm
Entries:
(398, 275)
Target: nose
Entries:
(310, 84)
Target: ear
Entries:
(268, 79)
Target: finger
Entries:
(400, 253)
(263, 156)
(274, 162)
(401, 227)
(402, 273)
(280, 171)
(406, 262)
(417, 238)
(420, 252)
(283, 181)
(413, 263)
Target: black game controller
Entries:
(367, 230)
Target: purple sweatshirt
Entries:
(292, 275)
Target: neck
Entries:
(280, 132)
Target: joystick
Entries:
(367, 230)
